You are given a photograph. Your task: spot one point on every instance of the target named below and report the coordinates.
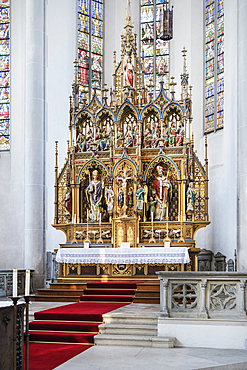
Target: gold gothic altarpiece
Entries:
(131, 175)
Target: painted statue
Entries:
(180, 135)
(163, 189)
(104, 139)
(140, 192)
(80, 142)
(152, 206)
(109, 195)
(124, 180)
(172, 134)
(129, 136)
(94, 193)
(147, 138)
(129, 73)
(191, 197)
(67, 201)
(120, 197)
(130, 197)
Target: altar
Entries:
(131, 176)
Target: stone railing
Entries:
(210, 295)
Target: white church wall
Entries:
(12, 163)
(221, 235)
(61, 48)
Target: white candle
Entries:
(152, 216)
(166, 212)
(100, 218)
(87, 213)
(74, 218)
(27, 285)
(15, 282)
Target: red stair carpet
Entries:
(58, 334)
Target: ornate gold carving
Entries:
(121, 269)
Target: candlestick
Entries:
(15, 274)
(181, 216)
(27, 285)
(152, 240)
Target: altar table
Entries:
(123, 255)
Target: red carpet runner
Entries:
(58, 334)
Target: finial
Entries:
(76, 70)
(104, 97)
(184, 51)
(128, 16)
(150, 86)
(56, 152)
(172, 85)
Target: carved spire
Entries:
(128, 22)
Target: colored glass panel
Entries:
(4, 75)
(214, 65)
(90, 45)
(155, 51)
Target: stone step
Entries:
(134, 340)
(128, 319)
(119, 329)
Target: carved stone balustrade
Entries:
(208, 295)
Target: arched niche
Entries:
(125, 180)
(151, 127)
(172, 173)
(84, 177)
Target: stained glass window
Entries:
(90, 45)
(4, 74)
(214, 65)
(154, 50)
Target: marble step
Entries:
(134, 340)
(119, 329)
(129, 319)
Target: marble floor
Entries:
(135, 358)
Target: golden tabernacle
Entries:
(131, 178)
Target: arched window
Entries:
(214, 65)
(154, 50)
(90, 45)
(4, 74)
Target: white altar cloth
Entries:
(123, 255)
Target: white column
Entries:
(34, 139)
(242, 135)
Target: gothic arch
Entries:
(92, 164)
(168, 165)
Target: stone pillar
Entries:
(34, 171)
(242, 136)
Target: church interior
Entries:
(123, 175)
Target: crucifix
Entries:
(124, 180)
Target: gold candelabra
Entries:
(152, 240)
(167, 239)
